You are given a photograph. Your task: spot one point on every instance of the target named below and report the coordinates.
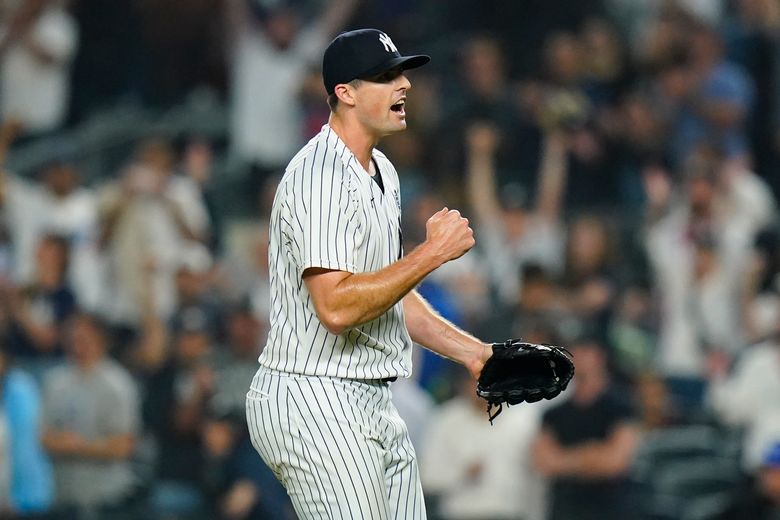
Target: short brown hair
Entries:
(333, 99)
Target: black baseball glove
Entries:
(519, 371)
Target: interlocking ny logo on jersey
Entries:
(388, 43)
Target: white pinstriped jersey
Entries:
(329, 213)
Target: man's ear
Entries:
(345, 94)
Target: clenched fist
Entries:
(448, 235)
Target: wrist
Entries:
(484, 352)
(429, 257)
(479, 356)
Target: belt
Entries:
(290, 374)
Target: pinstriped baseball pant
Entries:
(338, 446)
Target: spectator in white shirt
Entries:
(38, 40)
(747, 397)
(698, 248)
(516, 232)
(271, 47)
(147, 218)
(56, 203)
(478, 471)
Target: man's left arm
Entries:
(71, 444)
(608, 458)
(429, 329)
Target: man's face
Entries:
(701, 193)
(60, 179)
(86, 342)
(380, 102)
(191, 346)
(591, 359)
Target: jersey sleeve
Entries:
(328, 221)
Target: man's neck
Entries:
(357, 139)
(86, 366)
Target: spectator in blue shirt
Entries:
(717, 104)
(26, 484)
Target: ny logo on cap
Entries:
(387, 42)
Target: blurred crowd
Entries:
(619, 161)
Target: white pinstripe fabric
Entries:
(329, 213)
(338, 446)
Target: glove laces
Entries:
(491, 415)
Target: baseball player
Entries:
(344, 312)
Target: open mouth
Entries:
(398, 108)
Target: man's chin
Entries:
(397, 126)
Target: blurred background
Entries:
(618, 159)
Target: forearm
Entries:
(151, 350)
(429, 329)
(346, 300)
(112, 448)
(150, 353)
(44, 337)
(595, 461)
(608, 458)
(552, 176)
(68, 444)
(481, 184)
(361, 297)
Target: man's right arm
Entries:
(346, 300)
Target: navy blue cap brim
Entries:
(405, 62)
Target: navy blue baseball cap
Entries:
(363, 53)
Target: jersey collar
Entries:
(345, 154)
